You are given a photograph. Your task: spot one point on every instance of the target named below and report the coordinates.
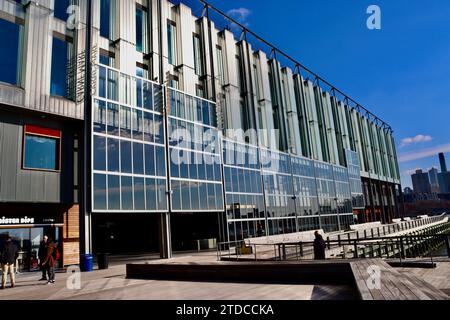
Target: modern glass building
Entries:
(193, 129)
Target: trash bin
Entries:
(87, 263)
(103, 260)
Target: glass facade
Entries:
(129, 159)
(354, 174)
(243, 191)
(194, 148)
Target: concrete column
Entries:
(165, 243)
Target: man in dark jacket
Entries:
(319, 247)
(50, 261)
(10, 253)
(42, 254)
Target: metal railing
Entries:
(421, 243)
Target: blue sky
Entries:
(401, 73)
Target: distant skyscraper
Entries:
(433, 175)
(442, 161)
(421, 182)
(444, 176)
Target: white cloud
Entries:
(417, 139)
(424, 153)
(411, 171)
(240, 15)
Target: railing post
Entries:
(402, 248)
(339, 240)
(371, 231)
(384, 230)
(328, 243)
(357, 234)
(301, 249)
(284, 252)
(355, 248)
(365, 233)
(378, 231)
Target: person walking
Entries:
(49, 262)
(319, 247)
(10, 253)
(42, 254)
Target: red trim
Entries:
(42, 131)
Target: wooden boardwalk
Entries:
(391, 284)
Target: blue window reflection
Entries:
(61, 7)
(149, 160)
(162, 197)
(41, 153)
(10, 33)
(150, 189)
(125, 157)
(113, 193)
(113, 155)
(138, 158)
(105, 18)
(99, 192)
(99, 153)
(160, 161)
(127, 193)
(59, 80)
(113, 119)
(139, 197)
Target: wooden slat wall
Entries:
(71, 236)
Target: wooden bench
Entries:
(393, 284)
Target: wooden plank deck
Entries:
(394, 285)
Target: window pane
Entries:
(138, 158)
(99, 116)
(60, 59)
(162, 198)
(125, 157)
(41, 153)
(211, 197)
(105, 18)
(10, 33)
(194, 195)
(149, 160)
(113, 119)
(203, 202)
(185, 195)
(141, 30)
(113, 81)
(176, 195)
(113, 193)
(125, 122)
(127, 193)
(139, 198)
(148, 127)
(150, 188)
(99, 153)
(159, 129)
(148, 96)
(61, 7)
(219, 197)
(99, 192)
(160, 162)
(137, 124)
(113, 155)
